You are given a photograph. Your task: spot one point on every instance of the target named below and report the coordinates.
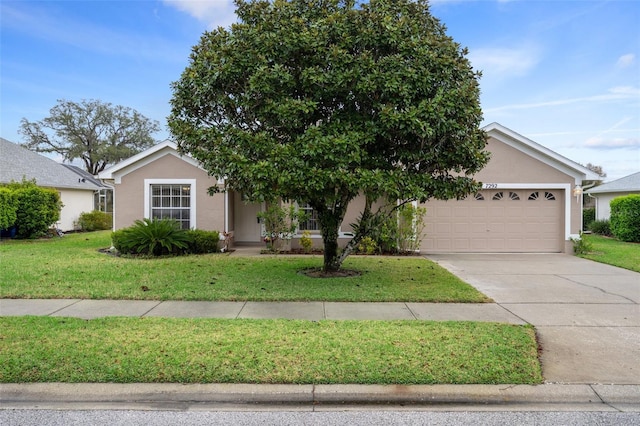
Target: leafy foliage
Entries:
(581, 245)
(321, 101)
(600, 227)
(37, 208)
(201, 242)
(95, 221)
(367, 246)
(98, 133)
(152, 237)
(625, 218)
(588, 216)
(306, 242)
(8, 208)
(280, 223)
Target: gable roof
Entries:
(629, 183)
(18, 163)
(533, 149)
(145, 157)
(495, 130)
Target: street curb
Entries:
(38, 395)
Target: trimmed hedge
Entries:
(37, 208)
(625, 218)
(8, 208)
(600, 227)
(95, 221)
(203, 241)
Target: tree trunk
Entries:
(330, 220)
(332, 261)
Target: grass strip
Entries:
(613, 252)
(72, 267)
(159, 350)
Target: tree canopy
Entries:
(320, 101)
(95, 132)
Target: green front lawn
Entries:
(126, 350)
(72, 267)
(613, 252)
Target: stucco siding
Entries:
(75, 202)
(130, 200)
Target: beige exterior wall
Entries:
(130, 192)
(510, 168)
(75, 202)
(510, 165)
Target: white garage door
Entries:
(494, 221)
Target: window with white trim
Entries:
(311, 224)
(171, 201)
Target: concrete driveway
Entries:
(587, 314)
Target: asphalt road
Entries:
(337, 418)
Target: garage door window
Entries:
(547, 195)
(514, 196)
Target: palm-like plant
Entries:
(155, 237)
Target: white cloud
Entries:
(614, 143)
(613, 94)
(625, 91)
(504, 62)
(626, 60)
(216, 13)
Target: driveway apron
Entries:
(587, 314)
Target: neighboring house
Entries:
(76, 188)
(606, 192)
(527, 204)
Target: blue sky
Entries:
(565, 74)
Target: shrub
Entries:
(410, 227)
(280, 224)
(8, 208)
(600, 227)
(401, 231)
(367, 246)
(95, 221)
(37, 209)
(625, 218)
(306, 242)
(201, 242)
(588, 216)
(120, 242)
(581, 246)
(152, 237)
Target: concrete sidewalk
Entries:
(314, 311)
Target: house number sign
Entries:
(489, 185)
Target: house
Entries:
(77, 188)
(604, 193)
(527, 203)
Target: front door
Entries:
(247, 229)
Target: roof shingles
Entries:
(17, 162)
(629, 183)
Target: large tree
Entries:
(323, 100)
(95, 132)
